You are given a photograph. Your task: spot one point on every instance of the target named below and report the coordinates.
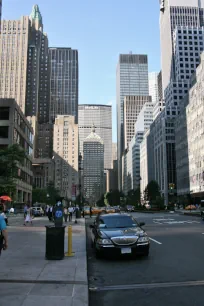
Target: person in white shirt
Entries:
(70, 210)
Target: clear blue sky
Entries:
(100, 30)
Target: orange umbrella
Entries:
(5, 198)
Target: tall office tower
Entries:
(131, 79)
(37, 91)
(132, 107)
(153, 86)
(101, 117)
(23, 74)
(93, 174)
(114, 151)
(65, 147)
(160, 87)
(0, 12)
(63, 65)
(173, 13)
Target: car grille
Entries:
(124, 240)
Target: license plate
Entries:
(126, 251)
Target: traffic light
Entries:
(171, 186)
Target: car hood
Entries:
(121, 232)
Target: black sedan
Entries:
(118, 234)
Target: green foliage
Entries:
(50, 195)
(9, 160)
(152, 191)
(100, 202)
(133, 197)
(113, 197)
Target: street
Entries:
(171, 275)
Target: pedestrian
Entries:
(3, 235)
(28, 218)
(70, 210)
(90, 212)
(50, 216)
(65, 214)
(3, 214)
(25, 210)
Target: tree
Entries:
(113, 197)
(100, 202)
(49, 195)
(153, 195)
(10, 158)
(133, 197)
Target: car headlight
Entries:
(143, 239)
(104, 241)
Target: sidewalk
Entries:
(27, 279)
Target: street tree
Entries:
(10, 158)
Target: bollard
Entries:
(69, 253)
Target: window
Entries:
(4, 131)
(4, 113)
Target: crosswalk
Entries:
(171, 221)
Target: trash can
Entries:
(54, 242)
(78, 214)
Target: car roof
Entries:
(114, 215)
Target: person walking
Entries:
(3, 214)
(3, 235)
(90, 211)
(50, 215)
(70, 210)
(28, 218)
(65, 214)
(25, 210)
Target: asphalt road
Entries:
(172, 275)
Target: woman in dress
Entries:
(28, 218)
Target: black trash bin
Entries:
(78, 214)
(55, 242)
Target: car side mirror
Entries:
(91, 226)
(141, 223)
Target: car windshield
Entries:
(118, 222)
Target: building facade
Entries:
(15, 129)
(101, 117)
(93, 174)
(65, 154)
(132, 107)
(131, 79)
(154, 86)
(173, 13)
(63, 66)
(45, 141)
(195, 132)
(43, 172)
(131, 175)
(24, 64)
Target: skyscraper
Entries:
(153, 86)
(63, 65)
(0, 12)
(23, 65)
(65, 147)
(175, 13)
(131, 79)
(93, 174)
(132, 107)
(101, 117)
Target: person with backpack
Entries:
(3, 235)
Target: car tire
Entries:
(97, 252)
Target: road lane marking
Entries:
(155, 241)
(147, 286)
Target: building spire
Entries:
(36, 16)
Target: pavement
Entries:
(28, 279)
(172, 275)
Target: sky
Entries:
(100, 30)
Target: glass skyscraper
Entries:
(131, 79)
(63, 65)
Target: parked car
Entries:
(117, 208)
(130, 208)
(37, 211)
(190, 207)
(117, 234)
(110, 210)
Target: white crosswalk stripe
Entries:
(173, 221)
